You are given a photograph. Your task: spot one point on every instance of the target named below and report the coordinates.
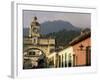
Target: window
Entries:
(32, 53)
(34, 40)
(88, 56)
(74, 59)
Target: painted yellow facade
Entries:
(34, 43)
(46, 45)
(52, 59)
(34, 40)
(63, 58)
(66, 57)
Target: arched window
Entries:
(34, 40)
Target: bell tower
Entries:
(34, 30)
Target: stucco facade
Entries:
(80, 55)
(82, 50)
(35, 43)
(66, 57)
(63, 58)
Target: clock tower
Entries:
(36, 48)
(34, 30)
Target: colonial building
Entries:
(77, 53)
(40, 51)
(52, 60)
(66, 57)
(62, 58)
(82, 49)
(36, 48)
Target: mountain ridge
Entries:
(52, 26)
(55, 26)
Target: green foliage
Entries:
(63, 37)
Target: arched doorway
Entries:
(34, 58)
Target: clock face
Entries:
(35, 30)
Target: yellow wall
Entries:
(46, 41)
(68, 51)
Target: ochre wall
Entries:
(81, 54)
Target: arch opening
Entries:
(34, 58)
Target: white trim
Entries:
(17, 70)
(14, 41)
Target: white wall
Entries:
(5, 40)
(68, 51)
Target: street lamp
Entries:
(81, 47)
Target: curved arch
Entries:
(29, 48)
(42, 60)
(34, 48)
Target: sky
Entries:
(81, 20)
